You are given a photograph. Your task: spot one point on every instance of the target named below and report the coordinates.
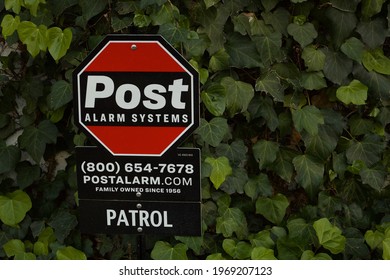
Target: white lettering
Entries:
(92, 93)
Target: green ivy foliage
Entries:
(294, 126)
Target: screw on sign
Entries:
(136, 95)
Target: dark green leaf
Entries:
(264, 107)
(348, 6)
(308, 118)
(269, 47)
(27, 174)
(310, 172)
(265, 152)
(373, 32)
(90, 9)
(273, 209)
(279, 20)
(313, 80)
(243, 52)
(304, 34)
(34, 139)
(238, 95)
(374, 177)
(322, 144)
(232, 220)
(259, 185)
(283, 164)
(235, 152)
(329, 205)
(368, 150)
(378, 84)
(300, 231)
(314, 58)
(61, 94)
(337, 66)
(235, 182)
(9, 157)
(63, 223)
(193, 242)
(214, 98)
(341, 24)
(219, 61)
(353, 48)
(214, 131)
(58, 7)
(270, 83)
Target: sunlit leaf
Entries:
(329, 236)
(9, 24)
(220, 169)
(261, 253)
(58, 41)
(35, 37)
(13, 207)
(70, 253)
(355, 93)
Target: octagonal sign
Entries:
(136, 95)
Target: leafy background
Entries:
(294, 126)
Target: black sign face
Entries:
(130, 217)
(173, 177)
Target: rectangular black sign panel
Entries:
(172, 177)
(140, 217)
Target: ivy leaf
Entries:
(265, 152)
(313, 80)
(239, 251)
(89, 9)
(27, 174)
(374, 177)
(304, 34)
(232, 220)
(164, 251)
(309, 255)
(219, 61)
(378, 84)
(35, 37)
(243, 52)
(341, 25)
(192, 242)
(337, 66)
(32, 5)
(269, 47)
(374, 238)
(63, 223)
(58, 41)
(314, 58)
(386, 248)
(214, 131)
(34, 139)
(371, 7)
(259, 185)
(376, 61)
(322, 144)
(235, 152)
(70, 253)
(264, 107)
(238, 95)
(13, 207)
(310, 172)
(368, 150)
(214, 98)
(61, 94)
(270, 83)
(300, 231)
(9, 24)
(283, 164)
(220, 169)
(355, 93)
(329, 236)
(58, 7)
(353, 48)
(9, 157)
(307, 118)
(15, 5)
(261, 253)
(273, 209)
(14, 247)
(373, 32)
